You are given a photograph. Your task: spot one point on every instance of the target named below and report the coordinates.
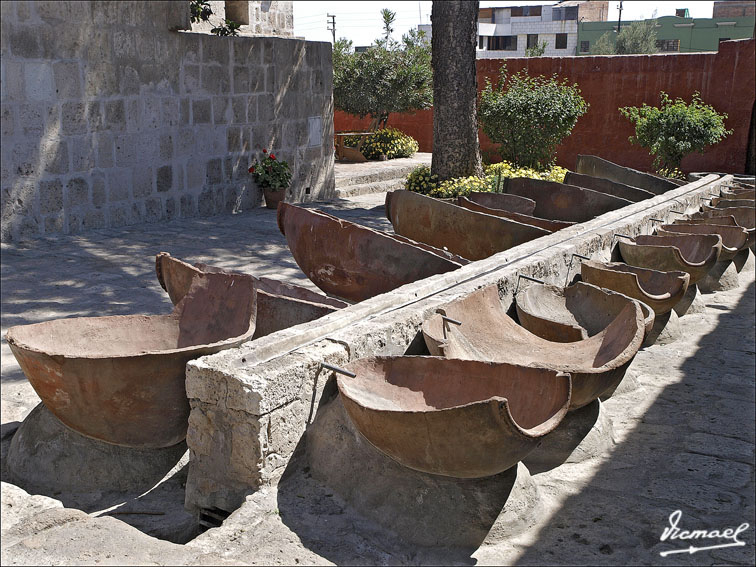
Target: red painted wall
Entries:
(726, 80)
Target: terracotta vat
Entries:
(573, 313)
(720, 203)
(504, 202)
(598, 167)
(469, 234)
(727, 220)
(558, 201)
(659, 290)
(745, 216)
(734, 238)
(458, 418)
(749, 194)
(120, 379)
(545, 224)
(355, 262)
(695, 254)
(279, 305)
(607, 186)
(597, 364)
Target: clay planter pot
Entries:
(457, 418)
(273, 197)
(597, 364)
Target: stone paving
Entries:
(684, 436)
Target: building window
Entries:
(668, 45)
(561, 41)
(481, 42)
(502, 43)
(519, 11)
(585, 46)
(568, 13)
(237, 12)
(532, 40)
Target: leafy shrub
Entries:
(421, 180)
(672, 173)
(390, 141)
(676, 129)
(529, 116)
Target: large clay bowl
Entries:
(726, 220)
(573, 313)
(458, 418)
(503, 202)
(607, 186)
(464, 232)
(720, 203)
(659, 290)
(279, 305)
(749, 194)
(745, 216)
(546, 224)
(599, 167)
(597, 364)
(120, 379)
(734, 238)
(558, 201)
(354, 262)
(695, 254)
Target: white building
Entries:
(508, 32)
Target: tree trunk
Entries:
(456, 152)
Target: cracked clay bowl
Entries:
(597, 364)
(457, 418)
(121, 379)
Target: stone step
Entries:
(372, 171)
(366, 188)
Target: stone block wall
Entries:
(273, 18)
(111, 116)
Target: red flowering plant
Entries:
(271, 172)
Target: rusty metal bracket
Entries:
(333, 368)
(657, 220)
(569, 267)
(446, 320)
(527, 278)
(678, 213)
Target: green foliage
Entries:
(228, 28)
(389, 141)
(389, 77)
(388, 20)
(637, 37)
(529, 116)
(421, 180)
(271, 172)
(200, 11)
(604, 45)
(676, 129)
(537, 50)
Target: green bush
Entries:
(676, 129)
(529, 116)
(421, 180)
(390, 141)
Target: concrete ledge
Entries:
(241, 397)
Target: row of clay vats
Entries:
(121, 379)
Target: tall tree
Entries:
(638, 37)
(456, 152)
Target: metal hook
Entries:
(445, 322)
(527, 278)
(677, 212)
(333, 368)
(657, 220)
(618, 235)
(570, 266)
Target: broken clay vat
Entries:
(458, 418)
(545, 224)
(734, 238)
(597, 364)
(504, 202)
(607, 186)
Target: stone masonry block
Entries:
(153, 210)
(77, 192)
(119, 215)
(115, 114)
(13, 80)
(24, 42)
(247, 52)
(195, 175)
(239, 109)
(7, 120)
(74, 221)
(50, 196)
(151, 112)
(166, 147)
(186, 111)
(170, 208)
(100, 78)
(128, 80)
(164, 179)
(253, 113)
(103, 146)
(54, 156)
(145, 46)
(54, 223)
(241, 80)
(214, 172)
(124, 44)
(133, 115)
(212, 141)
(222, 113)
(99, 196)
(178, 178)
(31, 117)
(265, 108)
(68, 82)
(215, 49)
(270, 81)
(143, 182)
(233, 138)
(38, 79)
(170, 112)
(188, 208)
(95, 115)
(215, 79)
(82, 153)
(201, 111)
(74, 118)
(93, 219)
(191, 80)
(119, 183)
(184, 142)
(206, 203)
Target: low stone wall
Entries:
(251, 405)
(111, 117)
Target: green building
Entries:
(675, 34)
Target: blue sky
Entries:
(361, 21)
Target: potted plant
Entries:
(273, 176)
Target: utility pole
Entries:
(619, 21)
(332, 23)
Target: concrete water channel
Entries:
(678, 433)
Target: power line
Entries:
(332, 29)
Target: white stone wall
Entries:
(272, 18)
(109, 118)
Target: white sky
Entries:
(360, 21)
